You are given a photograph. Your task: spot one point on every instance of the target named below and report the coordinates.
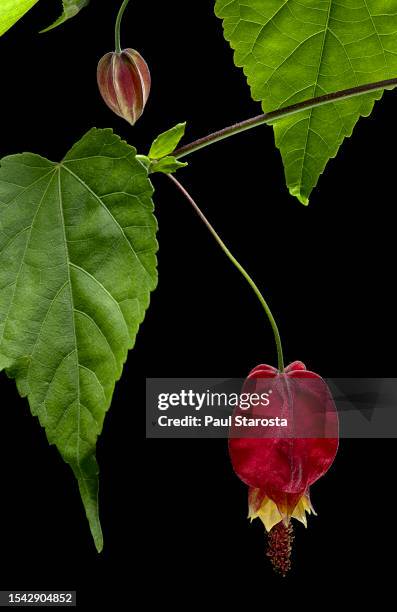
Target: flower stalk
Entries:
(117, 35)
(248, 278)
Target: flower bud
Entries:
(124, 83)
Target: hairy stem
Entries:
(239, 267)
(273, 116)
(118, 25)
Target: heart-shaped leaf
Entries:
(77, 265)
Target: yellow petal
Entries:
(299, 512)
(270, 515)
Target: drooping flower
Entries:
(124, 82)
(280, 463)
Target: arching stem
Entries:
(239, 267)
(273, 116)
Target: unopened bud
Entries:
(124, 83)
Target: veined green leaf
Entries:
(70, 9)
(292, 50)
(166, 142)
(166, 165)
(77, 265)
(11, 11)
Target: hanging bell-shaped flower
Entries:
(279, 464)
(124, 82)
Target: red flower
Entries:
(280, 463)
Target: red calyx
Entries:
(281, 463)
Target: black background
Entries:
(173, 511)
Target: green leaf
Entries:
(145, 161)
(70, 9)
(166, 165)
(77, 265)
(296, 50)
(167, 142)
(11, 11)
